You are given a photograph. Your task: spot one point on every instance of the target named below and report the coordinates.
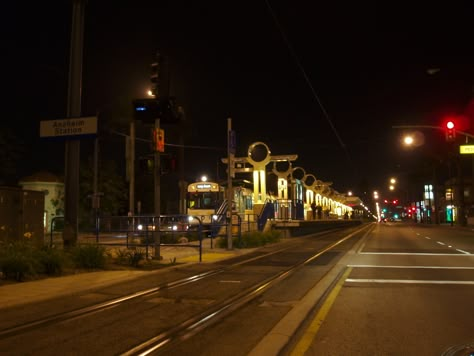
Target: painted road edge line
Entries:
(305, 342)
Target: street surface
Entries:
(407, 290)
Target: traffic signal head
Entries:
(450, 131)
(155, 76)
(146, 110)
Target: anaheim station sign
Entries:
(69, 128)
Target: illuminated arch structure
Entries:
(305, 188)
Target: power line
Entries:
(303, 72)
(170, 144)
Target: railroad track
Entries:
(176, 310)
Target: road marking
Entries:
(407, 267)
(427, 237)
(418, 253)
(310, 333)
(405, 281)
(441, 243)
(229, 281)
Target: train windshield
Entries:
(203, 200)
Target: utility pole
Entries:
(72, 149)
(230, 170)
(157, 180)
(131, 169)
(182, 186)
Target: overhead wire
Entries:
(306, 78)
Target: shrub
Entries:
(89, 256)
(50, 260)
(130, 257)
(17, 261)
(252, 239)
(135, 257)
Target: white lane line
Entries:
(418, 234)
(427, 237)
(406, 281)
(441, 243)
(412, 267)
(463, 253)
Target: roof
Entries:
(42, 176)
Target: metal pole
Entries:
(181, 182)
(230, 163)
(96, 198)
(157, 176)
(131, 170)
(72, 149)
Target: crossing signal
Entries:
(450, 131)
(159, 140)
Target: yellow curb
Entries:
(206, 257)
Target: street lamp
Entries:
(408, 140)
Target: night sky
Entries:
(325, 82)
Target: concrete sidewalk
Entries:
(18, 293)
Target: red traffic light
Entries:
(450, 131)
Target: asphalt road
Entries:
(406, 290)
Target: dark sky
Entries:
(325, 82)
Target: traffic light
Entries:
(168, 164)
(155, 75)
(147, 110)
(450, 131)
(159, 140)
(146, 165)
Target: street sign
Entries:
(69, 128)
(466, 149)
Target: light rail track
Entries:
(206, 315)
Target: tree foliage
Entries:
(111, 186)
(11, 152)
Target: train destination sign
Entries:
(69, 128)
